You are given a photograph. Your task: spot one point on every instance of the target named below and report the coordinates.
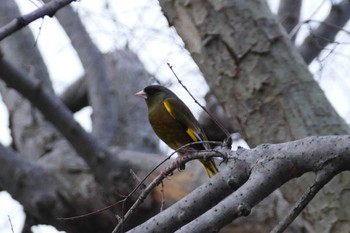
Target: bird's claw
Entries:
(164, 172)
(180, 166)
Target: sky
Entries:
(141, 25)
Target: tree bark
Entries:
(259, 78)
(250, 176)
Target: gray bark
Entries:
(325, 33)
(289, 14)
(259, 78)
(249, 177)
(104, 122)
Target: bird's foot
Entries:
(164, 172)
(177, 163)
(180, 166)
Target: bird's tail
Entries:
(209, 166)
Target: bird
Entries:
(174, 123)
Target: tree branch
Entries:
(75, 96)
(322, 178)
(270, 166)
(324, 34)
(44, 199)
(123, 66)
(48, 9)
(289, 14)
(102, 163)
(104, 121)
(163, 175)
(31, 186)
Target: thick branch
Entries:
(104, 121)
(322, 178)
(43, 199)
(289, 14)
(123, 66)
(101, 162)
(325, 33)
(271, 165)
(30, 185)
(48, 9)
(75, 96)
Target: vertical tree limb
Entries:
(97, 157)
(289, 14)
(104, 119)
(75, 96)
(326, 32)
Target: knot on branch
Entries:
(233, 182)
(244, 209)
(182, 216)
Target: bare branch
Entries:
(289, 14)
(104, 121)
(97, 157)
(36, 191)
(43, 199)
(324, 33)
(212, 131)
(123, 66)
(213, 118)
(273, 166)
(163, 175)
(270, 166)
(48, 9)
(322, 178)
(75, 96)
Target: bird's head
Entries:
(155, 94)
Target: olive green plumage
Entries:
(174, 123)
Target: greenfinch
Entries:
(174, 123)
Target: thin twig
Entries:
(140, 185)
(39, 32)
(163, 197)
(215, 120)
(297, 27)
(322, 178)
(308, 21)
(10, 223)
(158, 180)
(48, 9)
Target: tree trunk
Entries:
(261, 81)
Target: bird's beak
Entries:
(141, 94)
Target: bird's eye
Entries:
(152, 91)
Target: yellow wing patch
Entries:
(168, 108)
(190, 132)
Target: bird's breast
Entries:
(168, 129)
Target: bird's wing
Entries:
(180, 112)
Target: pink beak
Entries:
(141, 94)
